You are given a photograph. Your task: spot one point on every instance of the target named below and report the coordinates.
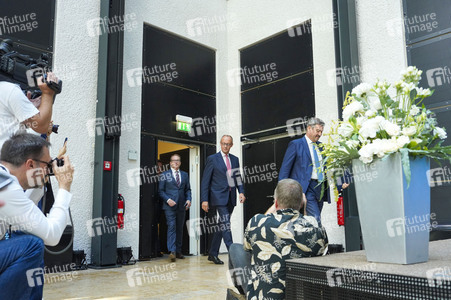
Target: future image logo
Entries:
(256, 74)
(35, 277)
(148, 275)
(297, 126)
(36, 177)
(438, 76)
(238, 276)
(340, 276)
(234, 178)
(95, 127)
(135, 277)
(299, 26)
(395, 227)
(234, 77)
(411, 224)
(210, 25)
(335, 277)
(33, 75)
(10, 25)
(96, 227)
(113, 125)
(439, 176)
(343, 75)
(413, 24)
(199, 226)
(99, 26)
(437, 276)
(134, 77)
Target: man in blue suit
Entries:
(302, 163)
(175, 190)
(220, 181)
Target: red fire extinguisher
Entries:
(120, 212)
(340, 211)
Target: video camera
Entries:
(26, 69)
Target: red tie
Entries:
(229, 167)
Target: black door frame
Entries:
(146, 219)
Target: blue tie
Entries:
(319, 171)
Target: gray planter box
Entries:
(395, 220)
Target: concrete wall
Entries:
(249, 21)
(381, 40)
(75, 61)
(172, 16)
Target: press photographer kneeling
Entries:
(25, 163)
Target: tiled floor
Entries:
(190, 278)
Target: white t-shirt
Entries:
(24, 215)
(14, 109)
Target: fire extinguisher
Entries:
(120, 212)
(340, 211)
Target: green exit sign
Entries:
(182, 126)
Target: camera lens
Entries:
(59, 162)
(55, 128)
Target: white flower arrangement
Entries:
(382, 119)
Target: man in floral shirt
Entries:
(270, 240)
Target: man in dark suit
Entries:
(175, 190)
(302, 162)
(220, 181)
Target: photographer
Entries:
(25, 163)
(16, 109)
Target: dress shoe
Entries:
(215, 259)
(232, 295)
(172, 257)
(180, 255)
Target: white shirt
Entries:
(175, 177)
(320, 158)
(24, 215)
(224, 158)
(14, 109)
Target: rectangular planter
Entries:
(395, 220)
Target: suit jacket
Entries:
(298, 165)
(216, 185)
(168, 189)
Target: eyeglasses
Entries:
(48, 164)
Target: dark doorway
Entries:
(162, 227)
(283, 96)
(152, 217)
(178, 77)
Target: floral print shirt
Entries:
(274, 238)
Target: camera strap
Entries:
(44, 198)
